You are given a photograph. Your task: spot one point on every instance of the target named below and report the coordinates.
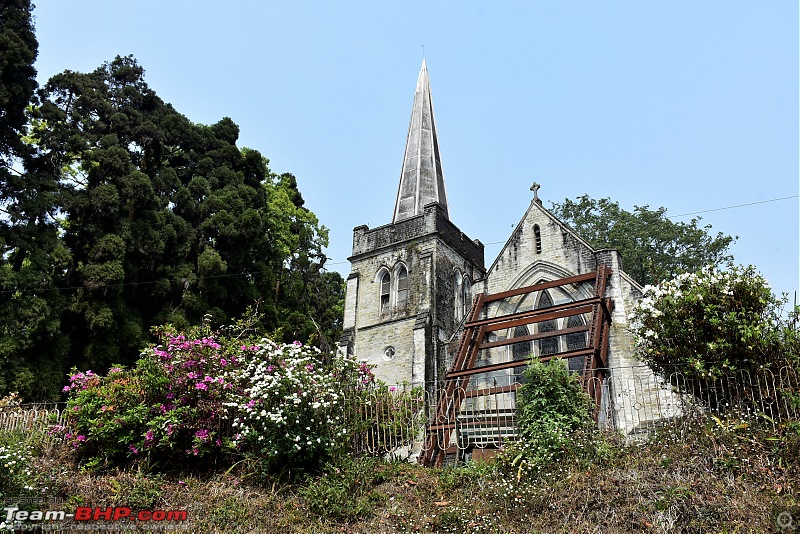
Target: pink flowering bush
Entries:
(198, 399)
(171, 403)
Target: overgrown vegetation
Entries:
(701, 475)
(117, 213)
(209, 400)
(554, 421)
(714, 324)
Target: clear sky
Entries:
(691, 105)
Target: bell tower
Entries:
(410, 281)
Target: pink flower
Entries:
(133, 449)
(66, 388)
(201, 385)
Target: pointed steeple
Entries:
(422, 179)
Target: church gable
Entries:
(540, 248)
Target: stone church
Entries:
(412, 281)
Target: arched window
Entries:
(537, 234)
(402, 287)
(466, 295)
(458, 296)
(548, 345)
(386, 287)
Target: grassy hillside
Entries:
(712, 476)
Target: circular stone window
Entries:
(388, 353)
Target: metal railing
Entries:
(30, 418)
(634, 401)
(395, 420)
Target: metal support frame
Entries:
(473, 339)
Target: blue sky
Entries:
(683, 104)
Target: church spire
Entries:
(421, 180)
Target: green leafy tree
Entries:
(17, 73)
(653, 248)
(118, 213)
(309, 298)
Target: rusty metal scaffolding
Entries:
(476, 337)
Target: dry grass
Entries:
(714, 478)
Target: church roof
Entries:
(421, 179)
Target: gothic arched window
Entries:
(402, 287)
(466, 295)
(386, 288)
(458, 296)
(548, 345)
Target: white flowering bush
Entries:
(711, 324)
(15, 472)
(293, 404)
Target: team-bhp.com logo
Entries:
(97, 513)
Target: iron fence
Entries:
(400, 420)
(634, 402)
(30, 418)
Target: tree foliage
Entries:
(653, 248)
(32, 257)
(128, 215)
(17, 73)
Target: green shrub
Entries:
(553, 415)
(169, 408)
(291, 412)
